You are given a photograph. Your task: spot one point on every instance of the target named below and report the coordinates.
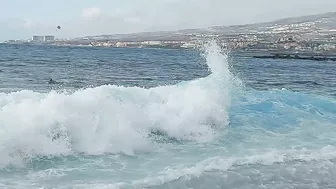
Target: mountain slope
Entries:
(310, 23)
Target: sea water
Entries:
(164, 118)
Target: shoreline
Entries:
(253, 53)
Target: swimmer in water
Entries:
(51, 81)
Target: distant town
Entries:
(311, 34)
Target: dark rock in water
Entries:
(162, 137)
(295, 56)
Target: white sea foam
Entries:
(301, 164)
(289, 158)
(113, 119)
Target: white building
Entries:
(49, 38)
(151, 43)
(38, 38)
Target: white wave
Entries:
(267, 157)
(292, 163)
(291, 160)
(113, 119)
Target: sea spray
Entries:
(275, 139)
(114, 119)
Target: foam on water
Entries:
(225, 165)
(209, 132)
(113, 119)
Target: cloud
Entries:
(90, 12)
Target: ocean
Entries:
(164, 118)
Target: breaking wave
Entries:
(114, 119)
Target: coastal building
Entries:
(49, 38)
(121, 44)
(151, 43)
(37, 38)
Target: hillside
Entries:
(306, 24)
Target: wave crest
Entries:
(114, 119)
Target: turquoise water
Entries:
(159, 118)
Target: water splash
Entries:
(114, 119)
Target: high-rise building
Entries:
(49, 38)
(38, 38)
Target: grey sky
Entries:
(84, 17)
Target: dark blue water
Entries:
(31, 67)
(160, 118)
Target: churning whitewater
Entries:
(210, 129)
(113, 119)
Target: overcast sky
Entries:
(20, 19)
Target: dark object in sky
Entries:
(59, 27)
